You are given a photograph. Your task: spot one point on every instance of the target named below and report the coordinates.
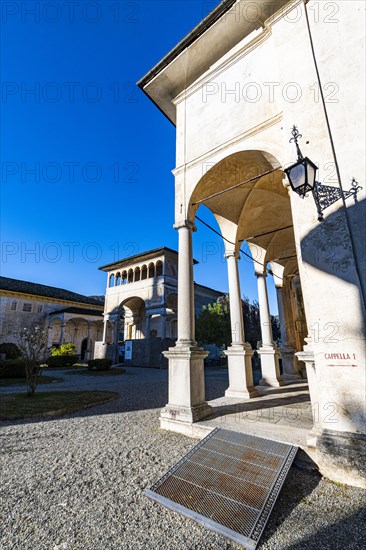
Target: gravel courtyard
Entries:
(77, 482)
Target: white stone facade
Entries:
(141, 301)
(234, 88)
(70, 317)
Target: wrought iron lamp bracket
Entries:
(326, 195)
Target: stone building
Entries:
(235, 87)
(71, 317)
(141, 307)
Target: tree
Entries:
(276, 329)
(33, 343)
(213, 325)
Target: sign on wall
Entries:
(128, 350)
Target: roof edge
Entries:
(191, 37)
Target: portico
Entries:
(232, 150)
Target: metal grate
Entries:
(229, 483)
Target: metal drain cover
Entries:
(229, 483)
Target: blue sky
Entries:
(86, 158)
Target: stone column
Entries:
(268, 353)
(287, 351)
(105, 327)
(116, 331)
(62, 336)
(163, 325)
(186, 334)
(186, 369)
(88, 342)
(147, 326)
(239, 354)
(75, 334)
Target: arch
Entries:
(84, 348)
(118, 279)
(151, 270)
(124, 277)
(137, 274)
(111, 280)
(258, 211)
(159, 268)
(133, 312)
(172, 302)
(130, 276)
(143, 273)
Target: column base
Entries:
(288, 364)
(189, 415)
(186, 388)
(240, 372)
(270, 367)
(341, 456)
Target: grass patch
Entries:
(86, 372)
(15, 406)
(70, 367)
(5, 382)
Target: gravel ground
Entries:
(77, 482)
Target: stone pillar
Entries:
(186, 369)
(116, 331)
(147, 326)
(62, 336)
(88, 344)
(268, 353)
(239, 354)
(186, 333)
(287, 352)
(163, 325)
(105, 327)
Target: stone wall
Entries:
(148, 352)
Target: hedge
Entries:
(12, 368)
(11, 350)
(62, 360)
(100, 364)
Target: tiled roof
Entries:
(145, 256)
(79, 311)
(25, 287)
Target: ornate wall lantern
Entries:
(302, 174)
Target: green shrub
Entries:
(11, 350)
(62, 360)
(100, 364)
(12, 368)
(65, 349)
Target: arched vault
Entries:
(258, 211)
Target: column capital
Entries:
(264, 274)
(185, 223)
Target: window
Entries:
(27, 307)
(13, 306)
(118, 279)
(159, 268)
(111, 280)
(151, 270)
(39, 309)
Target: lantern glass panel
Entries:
(311, 171)
(297, 176)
